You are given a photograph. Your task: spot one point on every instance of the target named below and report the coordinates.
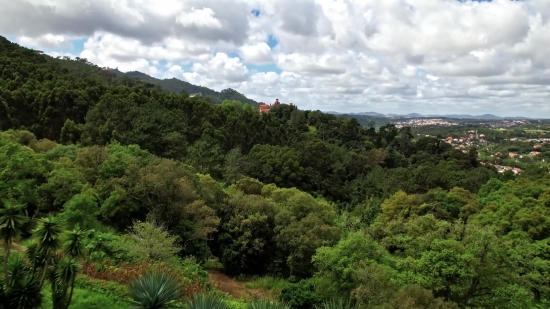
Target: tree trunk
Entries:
(6, 258)
(44, 272)
(71, 293)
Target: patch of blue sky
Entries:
(272, 42)
(270, 67)
(421, 71)
(77, 45)
(233, 55)
(11, 38)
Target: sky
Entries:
(387, 56)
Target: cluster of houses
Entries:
(504, 123)
(530, 140)
(422, 122)
(535, 152)
(502, 168)
(464, 142)
(515, 155)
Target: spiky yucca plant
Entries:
(340, 303)
(12, 222)
(48, 235)
(24, 291)
(266, 304)
(154, 290)
(205, 301)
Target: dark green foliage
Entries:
(23, 290)
(25, 294)
(301, 295)
(392, 219)
(179, 86)
(154, 290)
(319, 153)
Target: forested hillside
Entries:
(326, 208)
(178, 86)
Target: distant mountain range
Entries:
(177, 86)
(416, 115)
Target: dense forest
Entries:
(178, 86)
(109, 181)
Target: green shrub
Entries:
(109, 288)
(249, 186)
(267, 283)
(301, 295)
(213, 264)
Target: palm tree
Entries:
(48, 241)
(73, 247)
(11, 225)
(68, 270)
(154, 290)
(24, 289)
(64, 276)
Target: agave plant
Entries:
(266, 304)
(340, 303)
(154, 290)
(205, 301)
(24, 290)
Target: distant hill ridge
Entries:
(416, 115)
(177, 86)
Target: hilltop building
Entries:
(264, 108)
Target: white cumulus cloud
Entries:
(393, 56)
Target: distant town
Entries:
(425, 122)
(474, 139)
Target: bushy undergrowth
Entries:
(267, 283)
(191, 278)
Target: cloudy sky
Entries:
(389, 56)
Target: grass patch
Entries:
(233, 303)
(270, 284)
(87, 299)
(213, 264)
(103, 287)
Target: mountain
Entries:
(367, 114)
(416, 115)
(484, 116)
(177, 86)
